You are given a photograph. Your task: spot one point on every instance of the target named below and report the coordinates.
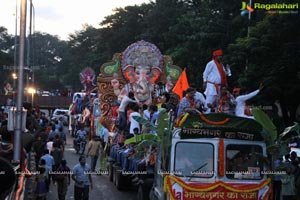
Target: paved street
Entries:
(103, 188)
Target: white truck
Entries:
(214, 156)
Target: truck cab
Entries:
(213, 162)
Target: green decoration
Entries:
(142, 137)
(173, 73)
(234, 124)
(110, 69)
(267, 123)
(146, 143)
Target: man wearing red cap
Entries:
(214, 76)
(241, 108)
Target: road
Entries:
(103, 188)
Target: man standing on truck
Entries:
(214, 76)
(125, 100)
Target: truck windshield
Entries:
(244, 161)
(194, 159)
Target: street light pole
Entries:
(28, 70)
(249, 18)
(16, 40)
(18, 130)
(31, 91)
(32, 42)
(248, 31)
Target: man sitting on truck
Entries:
(187, 103)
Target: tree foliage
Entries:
(263, 49)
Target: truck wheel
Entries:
(119, 180)
(144, 190)
(114, 174)
(151, 195)
(110, 172)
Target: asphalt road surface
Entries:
(103, 188)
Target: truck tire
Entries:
(110, 172)
(151, 194)
(119, 179)
(114, 174)
(144, 190)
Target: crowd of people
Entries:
(286, 186)
(45, 140)
(49, 139)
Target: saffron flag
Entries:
(181, 85)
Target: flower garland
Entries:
(221, 157)
(183, 118)
(209, 187)
(213, 122)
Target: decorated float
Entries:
(140, 68)
(213, 156)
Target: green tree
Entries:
(6, 55)
(272, 51)
(48, 54)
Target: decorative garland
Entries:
(209, 187)
(221, 157)
(182, 119)
(213, 122)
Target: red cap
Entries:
(218, 52)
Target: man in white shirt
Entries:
(199, 101)
(122, 108)
(241, 102)
(146, 112)
(214, 76)
(133, 122)
(49, 145)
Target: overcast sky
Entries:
(62, 17)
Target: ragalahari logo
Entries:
(246, 8)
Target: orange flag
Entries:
(181, 85)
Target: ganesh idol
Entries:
(141, 74)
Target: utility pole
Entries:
(33, 42)
(249, 18)
(18, 130)
(15, 54)
(16, 41)
(28, 70)
(248, 31)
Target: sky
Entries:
(61, 17)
